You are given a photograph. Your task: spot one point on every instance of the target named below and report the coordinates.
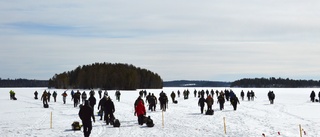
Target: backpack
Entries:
(76, 125)
(149, 122)
(116, 123)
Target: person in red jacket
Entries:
(140, 111)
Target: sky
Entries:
(179, 40)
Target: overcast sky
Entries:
(220, 40)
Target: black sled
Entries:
(209, 112)
(45, 105)
(148, 121)
(175, 102)
(116, 123)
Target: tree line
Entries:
(107, 76)
(23, 83)
(274, 82)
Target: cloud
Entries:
(183, 39)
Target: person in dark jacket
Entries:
(49, 95)
(92, 101)
(234, 102)
(101, 107)
(44, 98)
(271, 97)
(72, 94)
(252, 95)
(85, 115)
(100, 92)
(248, 95)
(64, 97)
(36, 95)
(201, 103)
(173, 96)
(109, 110)
(84, 96)
(227, 94)
(163, 99)
(242, 95)
(76, 99)
(118, 94)
(209, 101)
(221, 101)
(54, 94)
(312, 96)
(140, 111)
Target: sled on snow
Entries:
(175, 102)
(76, 126)
(209, 112)
(45, 105)
(148, 121)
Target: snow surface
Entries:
(27, 117)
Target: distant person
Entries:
(35, 95)
(201, 103)
(252, 95)
(72, 95)
(92, 101)
(248, 95)
(152, 101)
(49, 95)
(64, 97)
(100, 92)
(242, 95)
(76, 98)
(54, 94)
(212, 93)
(173, 96)
(179, 94)
(234, 102)
(12, 95)
(106, 93)
(221, 101)
(118, 94)
(227, 94)
(84, 96)
(195, 93)
(271, 97)
(85, 115)
(217, 93)
(163, 99)
(209, 101)
(44, 98)
(312, 96)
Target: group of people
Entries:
(45, 97)
(222, 98)
(313, 97)
(250, 95)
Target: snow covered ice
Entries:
(27, 117)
